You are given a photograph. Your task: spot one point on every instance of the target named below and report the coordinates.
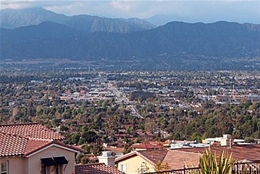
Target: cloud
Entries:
(14, 4)
(122, 5)
(198, 10)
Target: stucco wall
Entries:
(15, 165)
(133, 164)
(34, 162)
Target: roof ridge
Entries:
(151, 162)
(50, 143)
(40, 139)
(31, 131)
(91, 164)
(143, 156)
(188, 151)
(126, 155)
(165, 155)
(46, 143)
(19, 124)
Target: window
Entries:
(123, 168)
(53, 164)
(4, 167)
(46, 165)
(59, 169)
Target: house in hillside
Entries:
(106, 165)
(146, 160)
(241, 153)
(96, 168)
(34, 149)
(137, 161)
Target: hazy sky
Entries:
(191, 10)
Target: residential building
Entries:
(106, 165)
(146, 160)
(34, 149)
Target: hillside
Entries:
(217, 39)
(176, 45)
(14, 18)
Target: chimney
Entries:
(108, 158)
(227, 140)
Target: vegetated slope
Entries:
(11, 19)
(216, 39)
(14, 18)
(94, 24)
(175, 39)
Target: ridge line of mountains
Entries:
(14, 18)
(41, 34)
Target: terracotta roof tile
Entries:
(34, 145)
(116, 150)
(23, 139)
(147, 145)
(153, 155)
(96, 168)
(11, 145)
(178, 159)
(31, 131)
(249, 152)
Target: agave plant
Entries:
(210, 164)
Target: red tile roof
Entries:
(96, 168)
(31, 131)
(179, 158)
(147, 145)
(152, 156)
(249, 152)
(115, 149)
(34, 145)
(13, 145)
(23, 139)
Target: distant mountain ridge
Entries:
(48, 35)
(11, 18)
(14, 18)
(171, 41)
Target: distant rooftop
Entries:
(96, 168)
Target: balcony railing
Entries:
(239, 168)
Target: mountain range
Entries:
(172, 44)
(14, 18)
